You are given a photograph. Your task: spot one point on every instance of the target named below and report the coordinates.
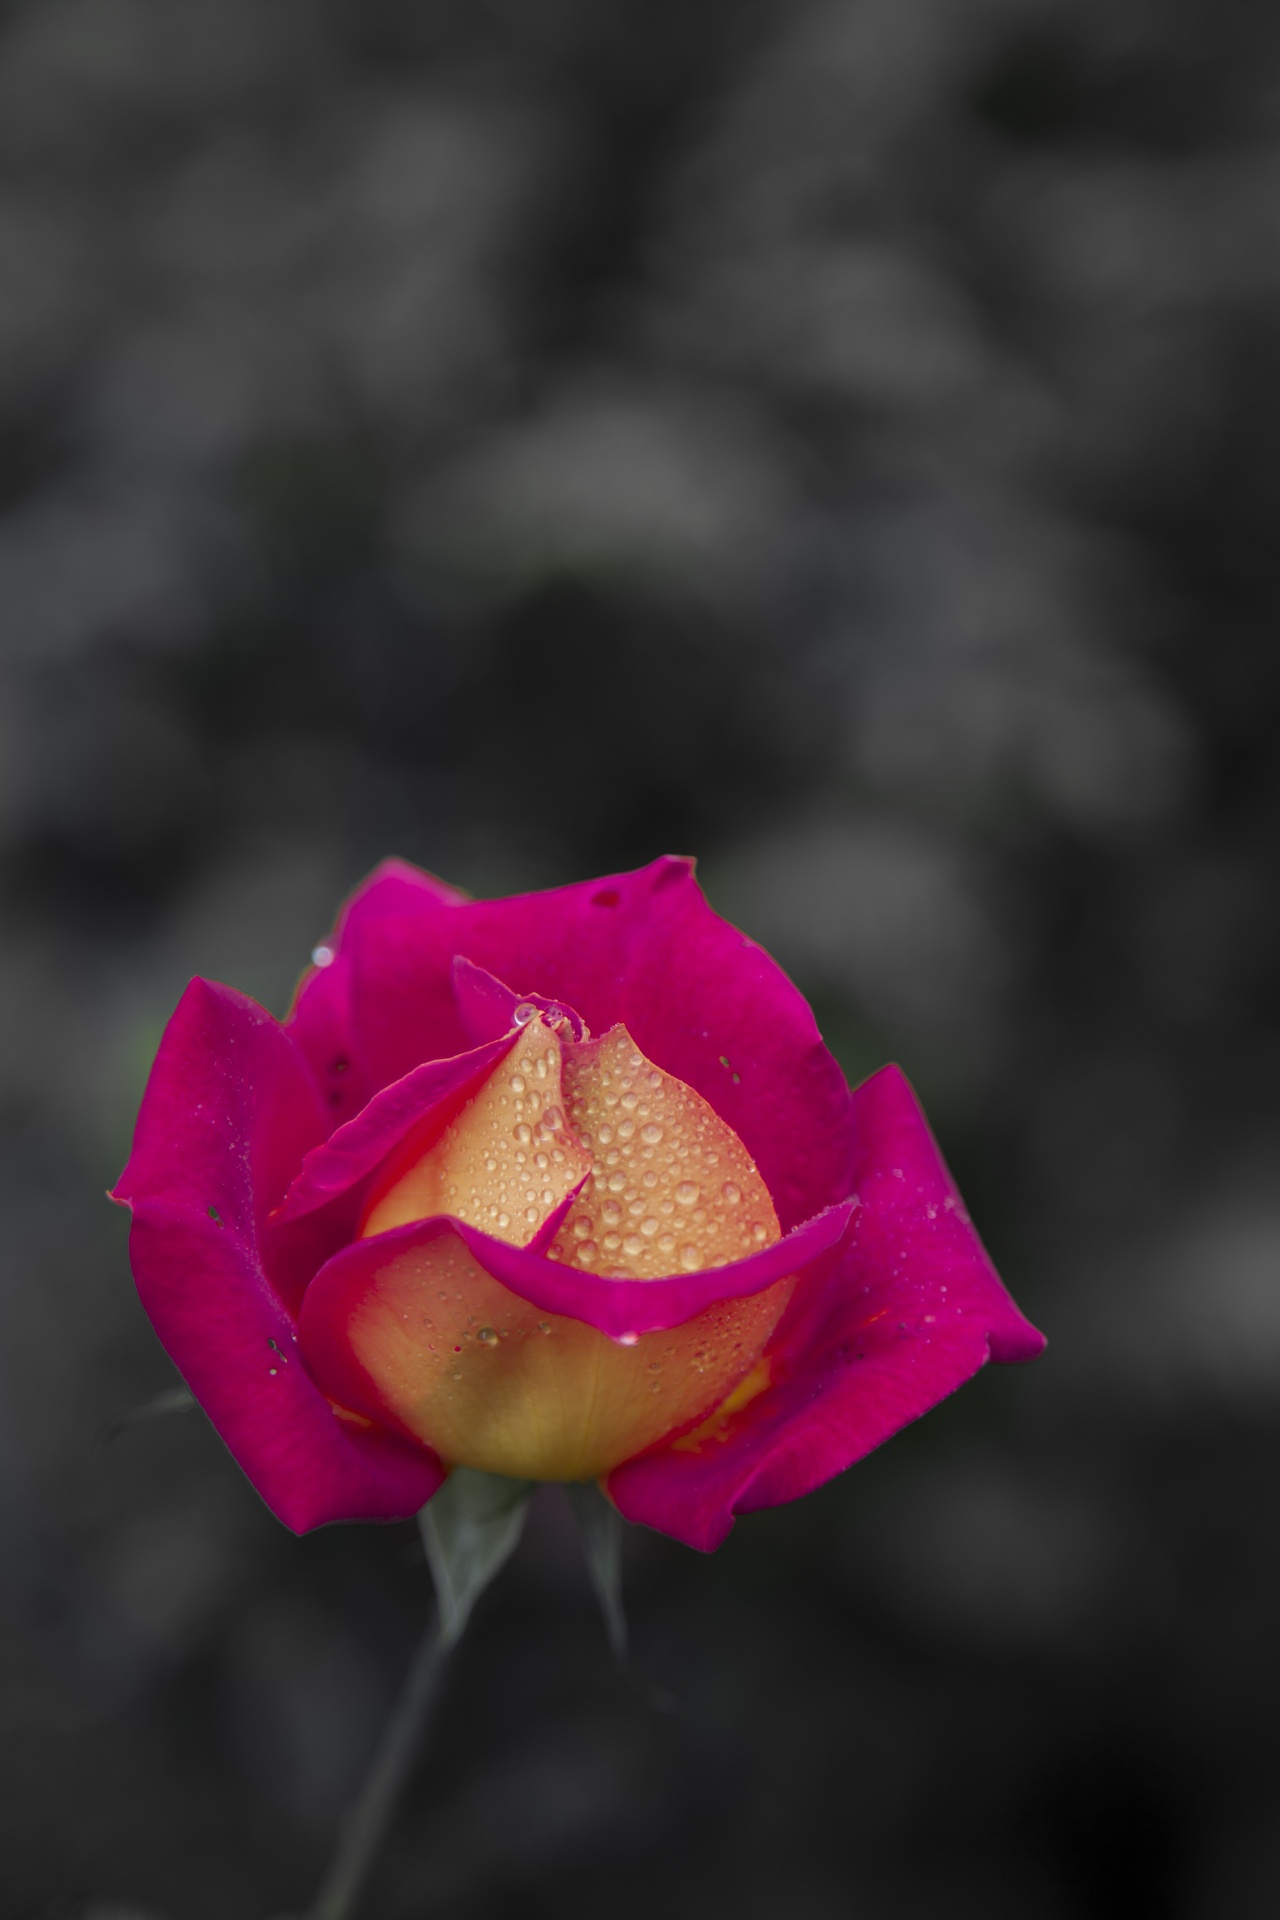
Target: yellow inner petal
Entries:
(672, 1187)
(506, 1161)
(490, 1381)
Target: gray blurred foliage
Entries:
(841, 439)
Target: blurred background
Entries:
(838, 438)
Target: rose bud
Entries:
(563, 1186)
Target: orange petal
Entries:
(490, 1381)
(673, 1189)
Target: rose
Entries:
(564, 1186)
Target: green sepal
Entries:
(470, 1530)
(600, 1530)
(178, 1399)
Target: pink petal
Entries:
(430, 1094)
(700, 999)
(896, 1318)
(229, 1112)
(321, 1016)
(487, 1007)
(615, 1307)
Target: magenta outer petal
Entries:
(358, 1148)
(700, 999)
(229, 1111)
(322, 1016)
(614, 1307)
(487, 1008)
(896, 1318)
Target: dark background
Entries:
(840, 438)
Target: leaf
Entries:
(470, 1529)
(171, 1400)
(600, 1529)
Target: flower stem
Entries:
(365, 1825)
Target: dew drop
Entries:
(651, 1132)
(617, 1181)
(758, 1233)
(553, 1119)
(690, 1259)
(487, 1337)
(731, 1193)
(587, 1252)
(625, 1129)
(686, 1194)
(544, 1326)
(649, 1227)
(631, 1101)
(522, 1134)
(517, 1083)
(633, 1245)
(322, 956)
(604, 1135)
(611, 1242)
(524, 1013)
(532, 1215)
(628, 1339)
(504, 1219)
(583, 1227)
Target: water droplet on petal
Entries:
(686, 1194)
(322, 956)
(628, 1339)
(731, 1193)
(651, 1132)
(690, 1259)
(487, 1337)
(524, 1013)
